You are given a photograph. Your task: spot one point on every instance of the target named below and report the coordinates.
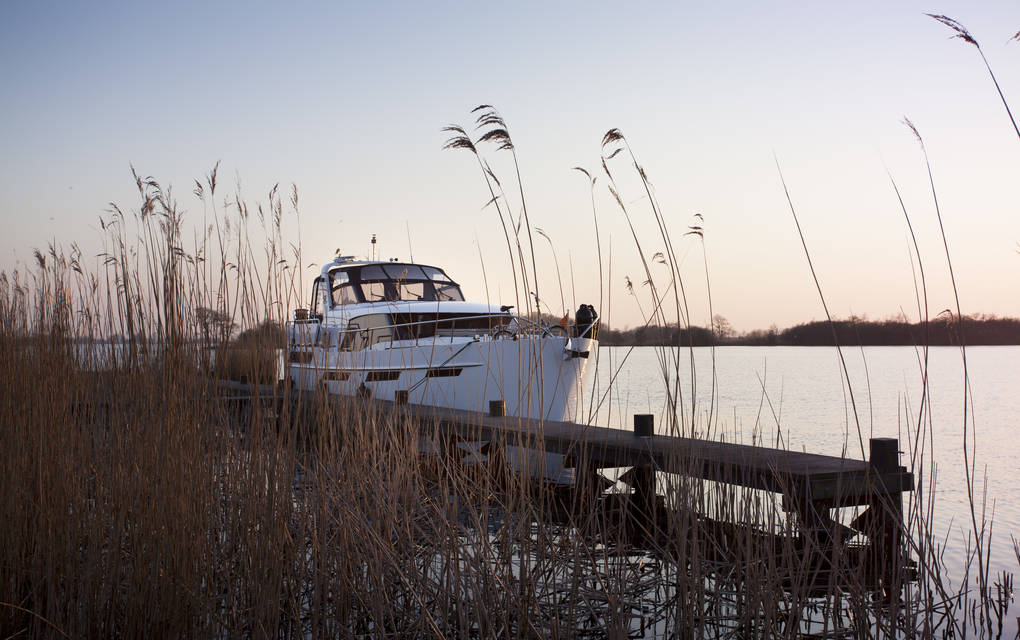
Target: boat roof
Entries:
(345, 262)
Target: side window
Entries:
(448, 292)
(316, 294)
(351, 337)
(445, 288)
(379, 329)
(365, 331)
(346, 295)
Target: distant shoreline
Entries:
(940, 331)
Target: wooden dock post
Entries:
(644, 425)
(642, 480)
(587, 485)
(887, 508)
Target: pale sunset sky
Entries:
(347, 101)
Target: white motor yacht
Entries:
(403, 332)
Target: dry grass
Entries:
(139, 502)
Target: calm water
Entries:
(799, 394)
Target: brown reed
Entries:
(140, 501)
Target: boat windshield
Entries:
(342, 291)
(396, 281)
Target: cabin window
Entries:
(345, 295)
(365, 331)
(414, 326)
(411, 290)
(447, 292)
(373, 272)
(445, 289)
(375, 292)
(436, 275)
(405, 272)
(316, 294)
(342, 291)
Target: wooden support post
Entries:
(885, 454)
(497, 408)
(643, 499)
(644, 425)
(887, 509)
(586, 484)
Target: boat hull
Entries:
(536, 377)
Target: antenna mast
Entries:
(409, 249)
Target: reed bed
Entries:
(140, 501)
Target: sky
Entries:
(347, 101)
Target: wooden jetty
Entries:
(811, 484)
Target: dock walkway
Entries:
(811, 484)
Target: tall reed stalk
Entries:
(959, 31)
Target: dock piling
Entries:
(887, 508)
(644, 425)
(643, 480)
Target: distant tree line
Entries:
(656, 336)
(940, 331)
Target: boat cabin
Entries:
(348, 284)
(361, 304)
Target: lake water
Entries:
(799, 395)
